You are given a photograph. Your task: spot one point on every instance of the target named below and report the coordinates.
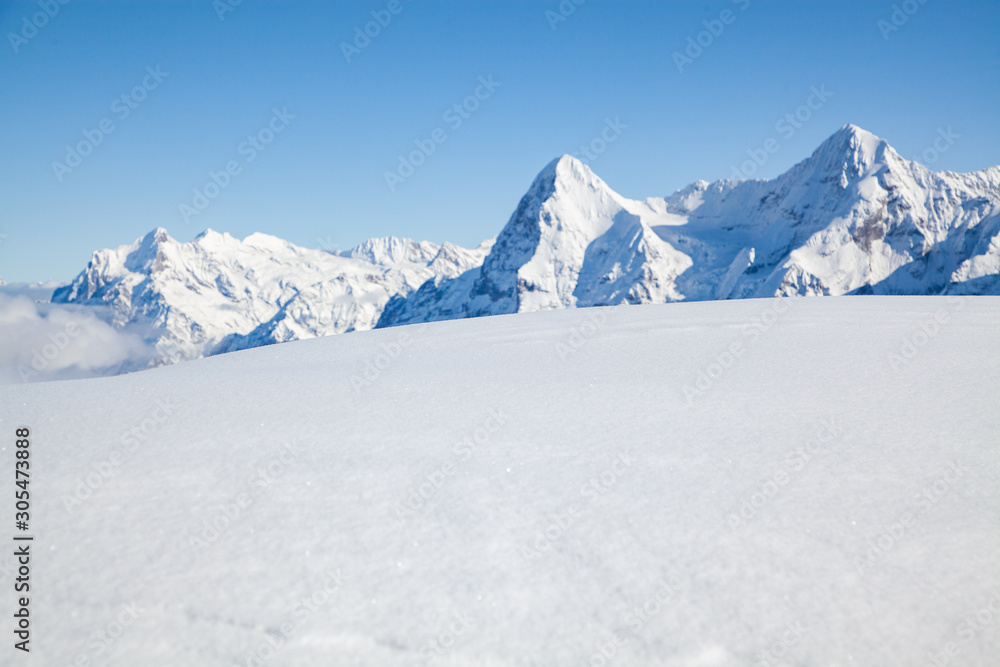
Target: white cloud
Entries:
(44, 341)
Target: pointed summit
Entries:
(566, 198)
(565, 173)
(149, 245)
(209, 234)
(155, 237)
(572, 241)
(851, 130)
(565, 166)
(852, 139)
(147, 253)
(850, 151)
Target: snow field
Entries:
(536, 489)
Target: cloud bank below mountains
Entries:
(42, 341)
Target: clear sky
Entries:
(553, 86)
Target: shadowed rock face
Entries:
(871, 230)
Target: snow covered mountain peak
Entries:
(854, 217)
(158, 235)
(849, 154)
(566, 177)
(572, 241)
(148, 253)
(568, 169)
(217, 293)
(393, 250)
(212, 235)
(851, 140)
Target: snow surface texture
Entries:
(854, 218)
(756, 482)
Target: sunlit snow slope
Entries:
(757, 482)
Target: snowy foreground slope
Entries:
(754, 482)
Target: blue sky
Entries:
(553, 86)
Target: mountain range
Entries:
(219, 294)
(853, 218)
